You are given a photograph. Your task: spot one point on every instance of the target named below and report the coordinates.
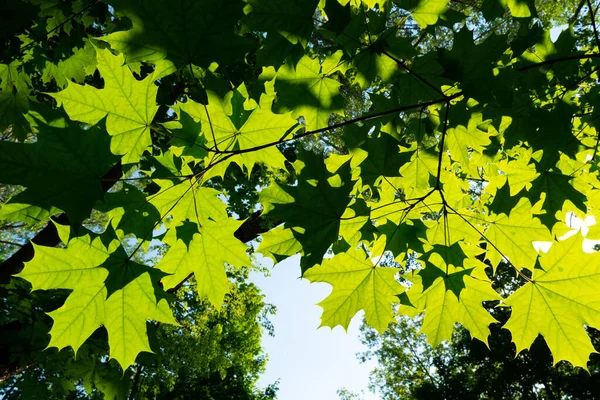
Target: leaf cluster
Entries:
(449, 137)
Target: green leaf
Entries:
(108, 290)
(187, 201)
(13, 106)
(514, 235)
(279, 244)
(371, 64)
(425, 12)
(128, 104)
(308, 90)
(290, 18)
(261, 128)
(558, 303)
(314, 207)
(449, 297)
(205, 256)
(555, 190)
(379, 158)
(357, 285)
(161, 32)
(63, 170)
(518, 8)
(400, 238)
(130, 212)
(186, 140)
(76, 67)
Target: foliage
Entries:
(409, 368)
(213, 353)
(455, 136)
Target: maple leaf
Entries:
(108, 290)
(13, 106)
(519, 172)
(279, 243)
(514, 235)
(62, 170)
(555, 190)
(224, 131)
(308, 90)
(188, 200)
(161, 32)
(128, 104)
(378, 158)
(205, 255)
(462, 141)
(14, 101)
(425, 12)
(76, 67)
(129, 211)
(558, 302)
(447, 297)
(417, 174)
(371, 64)
(290, 18)
(357, 285)
(314, 208)
(518, 8)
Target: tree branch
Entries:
(557, 60)
(75, 15)
(413, 73)
(339, 125)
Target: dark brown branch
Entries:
(577, 11)
(557, 60)
(254, 226)
(7, 371)
(136, 382)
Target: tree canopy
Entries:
(404, 148)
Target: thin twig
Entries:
(522, 275)
(11, 243)
(577, 11)
(341, 125)
(557, 60)
(413, 73)
(34, 41)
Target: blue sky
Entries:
(310, 363)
